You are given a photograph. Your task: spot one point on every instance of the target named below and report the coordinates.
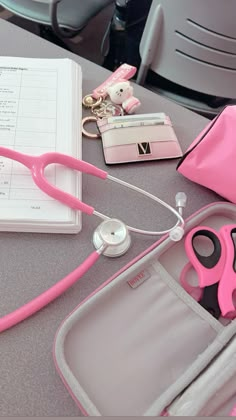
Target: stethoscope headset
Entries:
(111, 238)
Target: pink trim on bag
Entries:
(164, 413)
(197, 140)
(233, 412)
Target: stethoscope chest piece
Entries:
(114, 236)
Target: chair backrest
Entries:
(72, 15)
(194, 44)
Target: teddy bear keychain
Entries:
(121, 93)
(114, 97)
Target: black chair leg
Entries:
(47, 33)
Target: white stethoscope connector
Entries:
(177, 233)
(112, 237)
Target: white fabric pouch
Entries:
(141, 345)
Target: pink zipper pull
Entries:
(124, 72)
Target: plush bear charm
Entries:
(121, 93)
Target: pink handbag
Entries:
(211, 159)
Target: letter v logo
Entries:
(144, 148)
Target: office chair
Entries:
(61, 18)
(188, 53)
(125, 33)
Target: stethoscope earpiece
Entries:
(113, 237)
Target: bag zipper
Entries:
(199, 141)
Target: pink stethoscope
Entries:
(111, 238)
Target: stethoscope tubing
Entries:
(154, 198)
(37, 165)
(33, 306)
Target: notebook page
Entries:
(36, 116)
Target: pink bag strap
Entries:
(124, 72)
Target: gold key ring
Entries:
(89, 102)
(87, 133)
(113, 110)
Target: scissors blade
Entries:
(209, 300)
(227, 283)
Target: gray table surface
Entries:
(30, 263)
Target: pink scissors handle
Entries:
(209, 268)
(37, 165)
(195, 291)
(227, 283)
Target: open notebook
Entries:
(40, 111)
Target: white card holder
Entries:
(138, 138)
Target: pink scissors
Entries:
(216, 273)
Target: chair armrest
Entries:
(61, 33)
(53, 17)
(47, 1)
